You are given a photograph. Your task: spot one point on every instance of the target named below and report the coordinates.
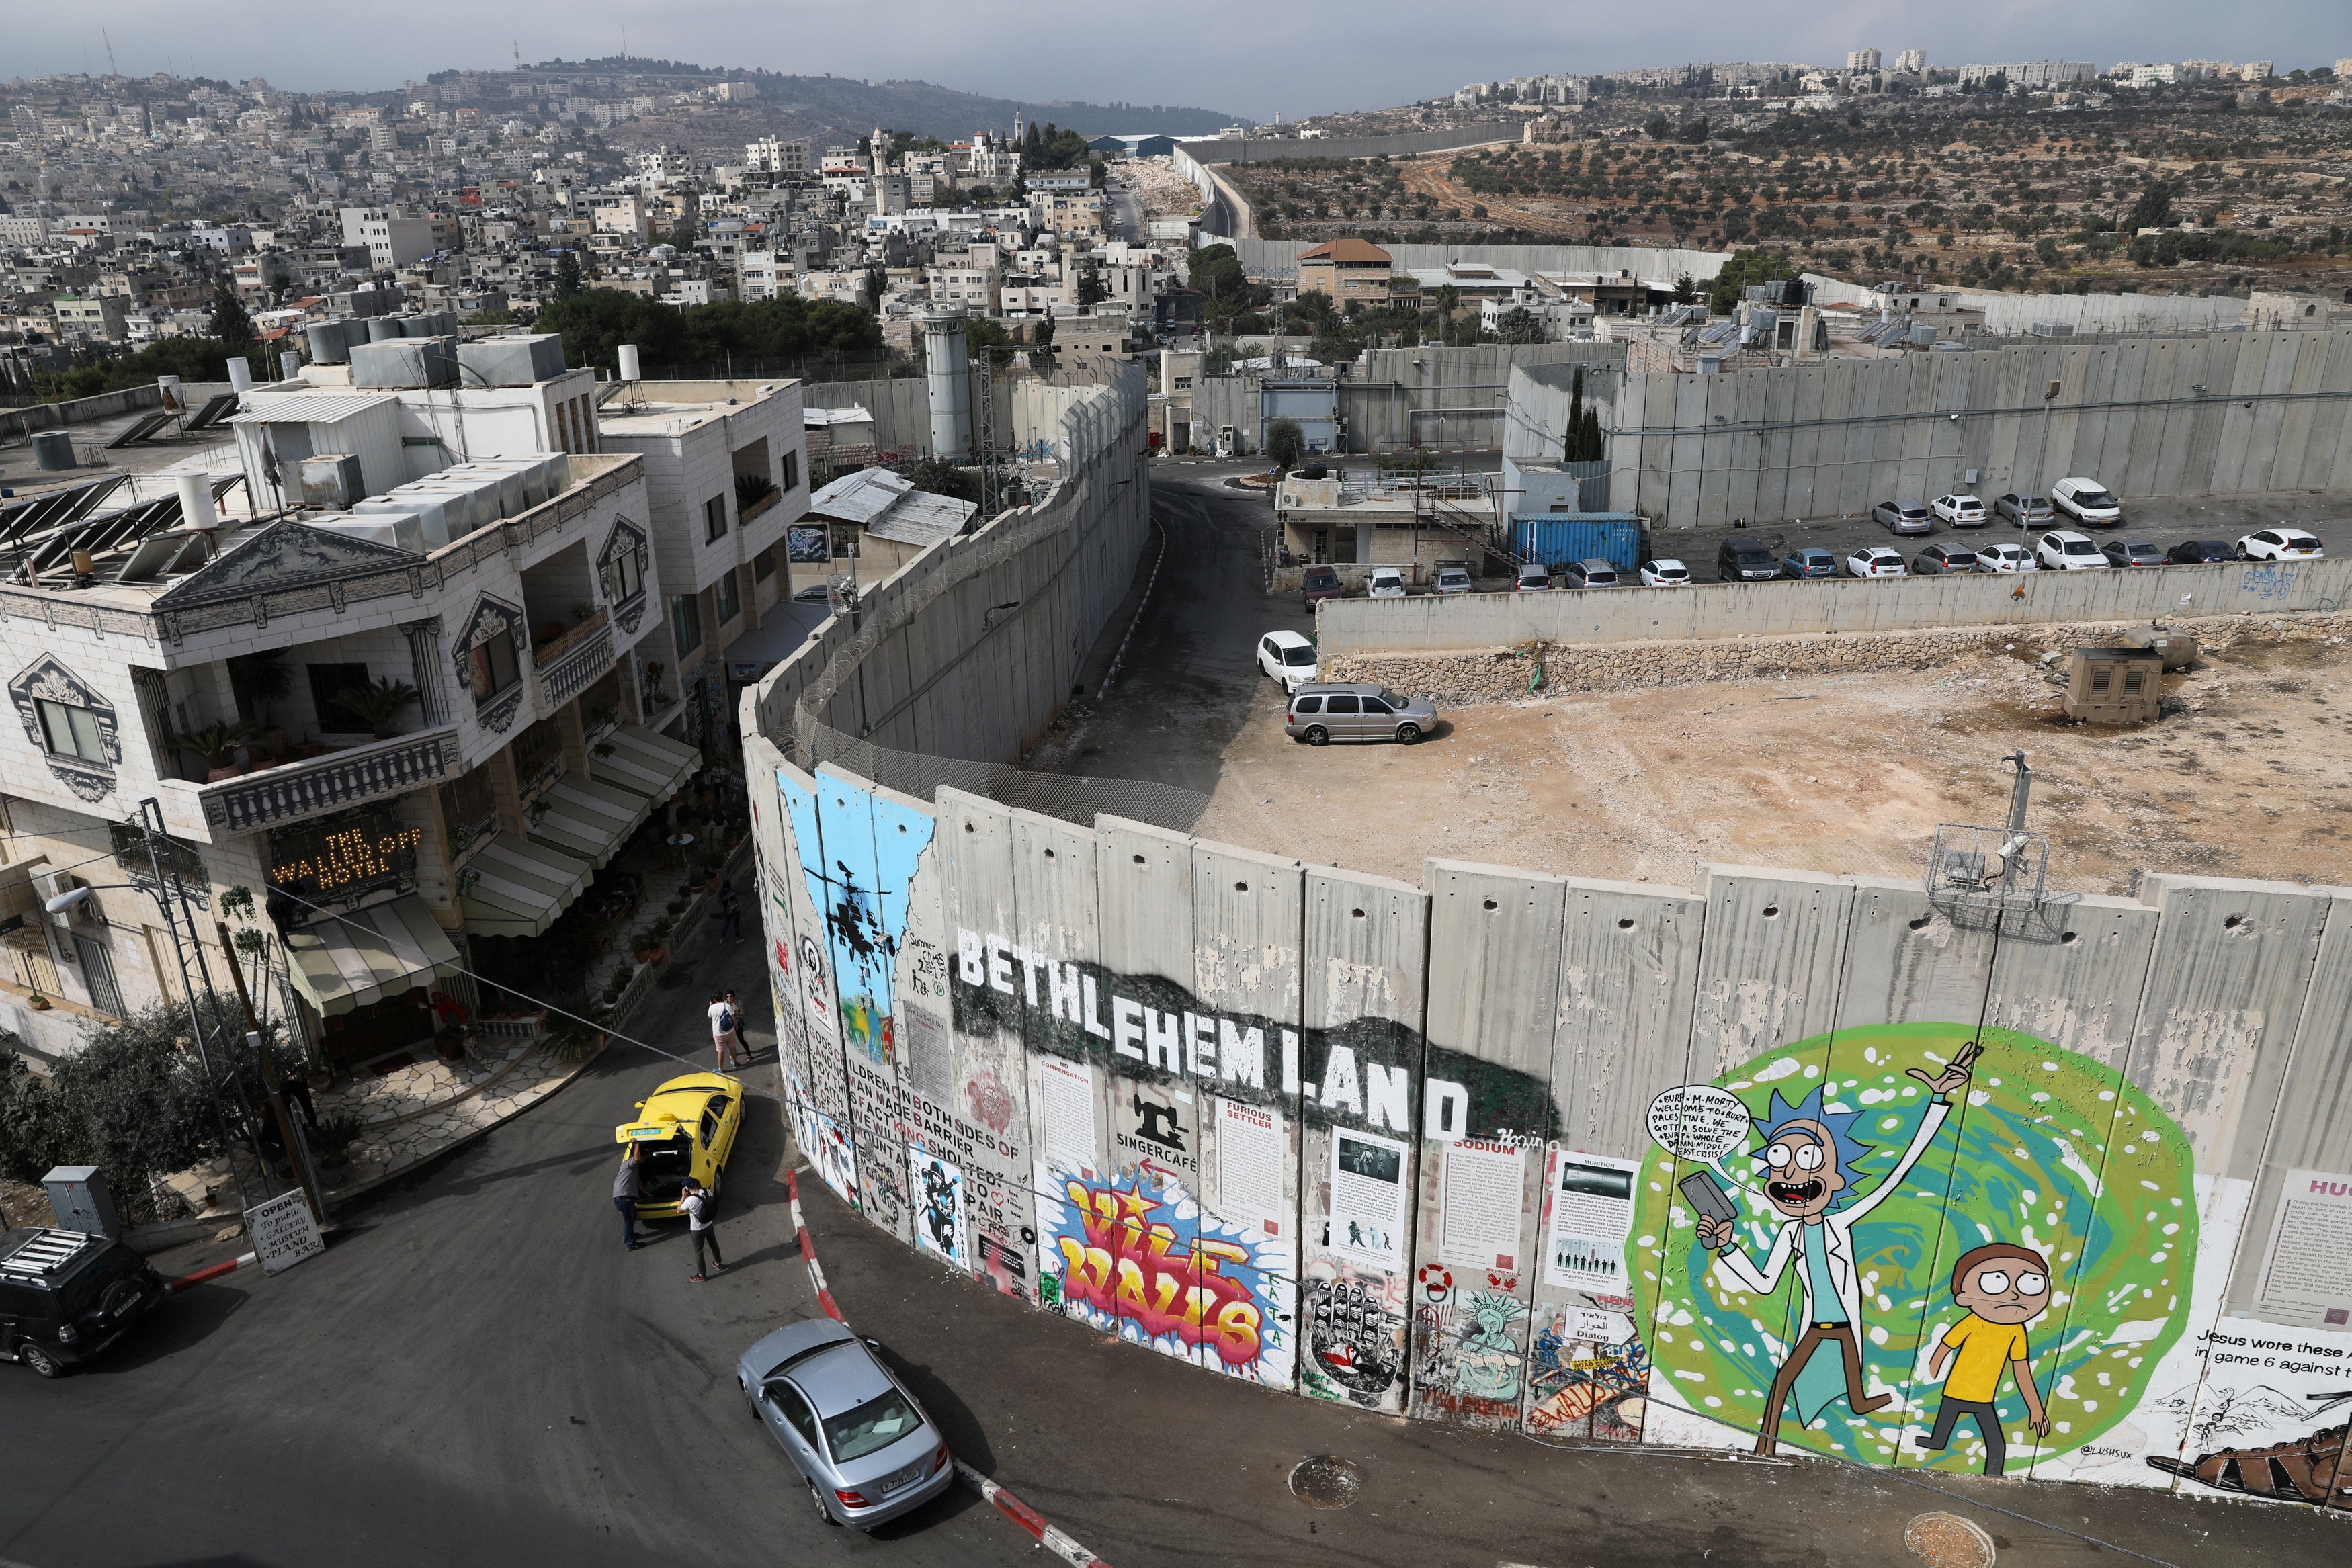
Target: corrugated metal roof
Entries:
(302, 408)
(859, 497)
(888, 506)
(921, 517)
(814, 418)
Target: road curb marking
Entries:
(215, 1273)
(1003, 1501)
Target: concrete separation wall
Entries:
(1475, 675)
(1444, 1150)
(1448, 399)
(2234, 413)
(1404, 145)
(1279, 258)
(2080, 312)
(1716, 612)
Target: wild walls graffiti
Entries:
(1916, 1223)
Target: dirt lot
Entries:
(1843, 774)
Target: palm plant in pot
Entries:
(379, 704)
(218, 744)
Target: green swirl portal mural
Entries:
(1923, 1244)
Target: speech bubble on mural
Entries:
(1698, 1122)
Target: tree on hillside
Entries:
(595, 323)
(941, 478)
(231, 323)
(1520, 325)
(567, 275)
(2154, 208)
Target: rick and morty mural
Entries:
(1917, 1244)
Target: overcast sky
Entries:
(1254, 59)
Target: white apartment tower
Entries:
(1861, 60)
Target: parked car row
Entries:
(2081, 501)
(1749, 559)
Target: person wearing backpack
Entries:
(723, 1022)
(701, 1207)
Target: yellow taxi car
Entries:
(687, 1128)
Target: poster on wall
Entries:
(1066, 1115)
(1479, 1204)
(1592, 1215)
(1368, 1198)
(941, 1226)
(805, 546)
(827, 1148)
(2306, 1279)
(1251, 1150)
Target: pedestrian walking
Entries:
(701, 1205)
(730, 912)
(624, 1196)
(723, 1020)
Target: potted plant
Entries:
(332, 1138)
(379, 704)
(259, 680)
(574, 1029)
(537, 810)
(218, 744)
(37, 1002)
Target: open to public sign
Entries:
(283, 1232)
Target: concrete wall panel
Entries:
(1770, 967)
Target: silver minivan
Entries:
(1341, 710)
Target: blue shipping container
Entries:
(1553, 538)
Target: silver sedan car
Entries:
(862, 1445)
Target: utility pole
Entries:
(297, 1151)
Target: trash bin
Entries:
(54, 449)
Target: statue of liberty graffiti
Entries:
(1808, 1157)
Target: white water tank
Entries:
(947, 361)
(630, 369)
(240, 375)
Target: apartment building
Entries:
(777, 155)
(1349, 272)
(393, 241)
(550, 617)
(91, 317)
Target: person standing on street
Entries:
(701, 1205)
(722, 1029)
(730, 913)
(624, 1196)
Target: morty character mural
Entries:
(1809, 1158)
(2003, 1287)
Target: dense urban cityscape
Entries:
(1257, 838)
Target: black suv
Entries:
(66, 1295)
(1746, 561)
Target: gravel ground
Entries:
(1839, 774)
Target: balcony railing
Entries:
(573, 662)
(318, 785)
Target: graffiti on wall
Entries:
(1912, 1243)
(1353, 1323)
(1138, 1257)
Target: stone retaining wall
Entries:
(1474, 675)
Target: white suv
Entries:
(2088, 502)
(2067, 550)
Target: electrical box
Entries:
(331, 479)
(2114, 685)
(78, 1199)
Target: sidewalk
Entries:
(420, 1112)
(1150, 1461)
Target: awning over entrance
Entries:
(362, 958)
(652, 765)
(520, 887)
(588, 819)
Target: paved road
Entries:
(1191, 672)
(474, 1372)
